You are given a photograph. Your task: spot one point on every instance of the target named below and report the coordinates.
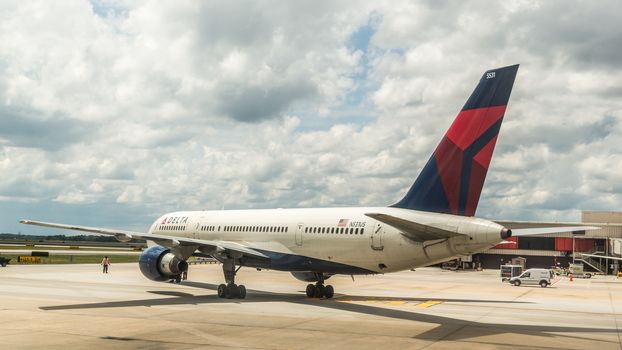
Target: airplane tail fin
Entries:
(452, 180)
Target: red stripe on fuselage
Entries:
(471, 124)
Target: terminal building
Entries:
(561, 249)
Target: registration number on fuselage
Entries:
(357, 224)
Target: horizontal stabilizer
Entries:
(413, 230)
(521, 232)
(600, 256)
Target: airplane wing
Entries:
(163, 240)
(600, 256)
(413, 230)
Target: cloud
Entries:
(132, 109)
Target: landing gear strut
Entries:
(319, 290)
(231, 290)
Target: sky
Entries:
(113, 112)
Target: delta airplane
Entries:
(432, 223)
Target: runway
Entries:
(76, 306)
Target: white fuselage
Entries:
(333, 240)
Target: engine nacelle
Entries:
(308, 276)
(159, 264)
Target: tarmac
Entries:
(76, 306)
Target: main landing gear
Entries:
(231, 290)
(319, 290)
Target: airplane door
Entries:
(376, 237)
(196, 234)
(299, 234)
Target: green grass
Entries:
(76, 259)
(44, 248)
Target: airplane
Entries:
(432, 223)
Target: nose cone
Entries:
(506, 233)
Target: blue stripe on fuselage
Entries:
(291, 262)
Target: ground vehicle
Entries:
(509, 271)
(4, 261)
(577, 271)
(533, 277)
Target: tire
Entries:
(310, 290)
(319, 291)
(588, 275)
(231, 291)
(221, 290)
(543, 284)
(329, 292)
(516, 283)
(241, 291)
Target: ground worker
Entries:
(105, 263)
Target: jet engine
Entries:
(158, 264)
(308, 276)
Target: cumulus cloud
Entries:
(132, 109)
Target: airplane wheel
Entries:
(329, 292)
(221, 290)
(319, 291)
(310, 290)
(231, 291)
(241, 291)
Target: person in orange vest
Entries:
(105, 263)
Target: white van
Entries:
(533, 277)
